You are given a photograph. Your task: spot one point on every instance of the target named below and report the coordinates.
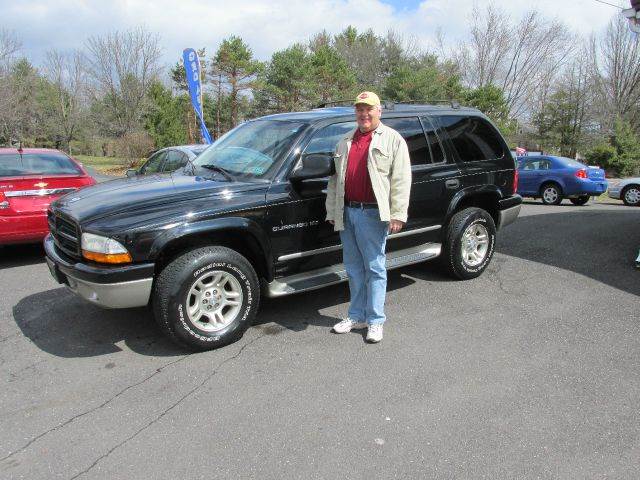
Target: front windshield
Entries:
(251, 150)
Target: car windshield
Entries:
(49, 163)
(250, 150)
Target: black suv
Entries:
(246, 218)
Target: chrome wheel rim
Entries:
(632, 195)
(550, 195)
(475, 244)
(214, 301)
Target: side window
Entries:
(545, 165)
(326, 139)
(473, 138)
(433, 141)
(154, 164)
(175, 160)
(411, 129)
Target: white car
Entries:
(628, 190)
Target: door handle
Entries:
(454, 183)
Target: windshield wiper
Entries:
(219, 169)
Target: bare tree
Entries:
(9, 47)
(123, 65)
(517, 57)
(616, 69)
(67, 76)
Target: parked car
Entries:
(202, 247)
(30, 179)
(628, 190)
(168, 160)
(553, 178)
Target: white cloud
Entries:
(265, 25)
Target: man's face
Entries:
(367, 116)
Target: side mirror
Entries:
(315, 165)
(131, 172)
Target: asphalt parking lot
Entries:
(531, 371)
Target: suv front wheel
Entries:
(469, 243)
(206, 298)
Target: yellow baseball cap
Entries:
(368, 98)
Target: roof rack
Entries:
(333, 103)
(390, 105)
(453, 103)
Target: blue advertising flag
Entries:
(192, 70)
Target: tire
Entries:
(581, 200)
(551, 194)
(199, 278)
(631, 195)
(455, 249)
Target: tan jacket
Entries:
(389, 170)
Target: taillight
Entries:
(4, 203)
(515, 181)
(581, 173)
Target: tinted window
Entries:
(175, 160)
(326, 139)
(411, 129)
(473, 138)
(37, 164)
(433, 141)
(154, 164)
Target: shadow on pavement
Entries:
(61, 324)
(21, 255)
(599, 244)
(309, 305)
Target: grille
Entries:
(65, 234)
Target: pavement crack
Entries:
(169, 409)
(80, 415)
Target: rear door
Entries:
(482, 152)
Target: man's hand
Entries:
(395, 226)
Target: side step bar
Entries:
(323, 277)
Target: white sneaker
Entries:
(374, 333)
(346, 325)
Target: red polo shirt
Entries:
(357, 184)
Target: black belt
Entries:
(351, 204)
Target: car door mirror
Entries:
(314, 165)
(131, 172)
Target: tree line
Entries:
(544, 86)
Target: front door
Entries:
(301, 238)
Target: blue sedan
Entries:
(554, 178)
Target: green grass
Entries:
(108, 165)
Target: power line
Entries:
(610, 4)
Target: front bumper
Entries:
(509, 209)
(107, 286)
(614, 192)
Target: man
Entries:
(367, 199)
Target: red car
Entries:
(30, 179)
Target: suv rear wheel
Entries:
(206, 298)
(469, 243)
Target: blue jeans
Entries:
(363, 243)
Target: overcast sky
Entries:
(266, 25)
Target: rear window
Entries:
(14, 164)
(473, 138)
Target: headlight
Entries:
(103, 249)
